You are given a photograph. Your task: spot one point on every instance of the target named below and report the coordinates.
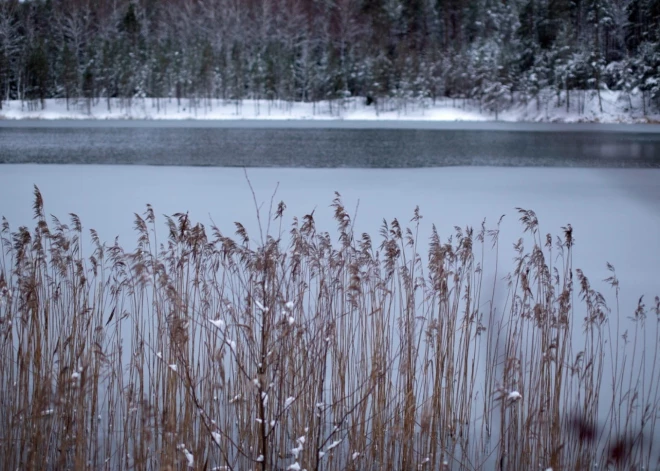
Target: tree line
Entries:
(310, 50)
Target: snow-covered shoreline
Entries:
(584, 107)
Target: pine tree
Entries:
(37, 74)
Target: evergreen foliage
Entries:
(487, 50)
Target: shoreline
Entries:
(347, 113)
(339, 124)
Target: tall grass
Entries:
(300, 350)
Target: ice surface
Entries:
(614, 213)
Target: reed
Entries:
(301, 350)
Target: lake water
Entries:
(329, 144)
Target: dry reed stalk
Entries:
(205, 351)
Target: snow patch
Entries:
(260, 306)
(219, 323)
(296, 450)
(189, 456)
(514, 396)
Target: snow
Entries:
(219, 323)
(294, 467)
(289, 305)
(547, 108)
(235, 398)
(261, 306)
(296, 450)
(189, 458)
(334, 444)
(514, 396)
(289, 401)
(227, 110)
(615, 108)
(173, 367)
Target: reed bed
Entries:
(294, 349)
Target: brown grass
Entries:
(322, 354)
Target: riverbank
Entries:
(581, 107)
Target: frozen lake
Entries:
(330, 144)
(613, 212)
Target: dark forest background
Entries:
(494, 51)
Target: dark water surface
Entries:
(329, 144)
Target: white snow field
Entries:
(584, 107)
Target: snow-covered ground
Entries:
(584, 107)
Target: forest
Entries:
(493, 51)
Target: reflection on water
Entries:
(305, 146)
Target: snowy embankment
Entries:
(583, 106)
